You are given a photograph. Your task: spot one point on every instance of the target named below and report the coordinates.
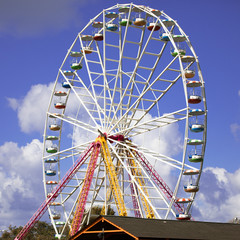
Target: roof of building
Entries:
(139, 228)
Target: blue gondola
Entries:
(112, 27)
(196, 127)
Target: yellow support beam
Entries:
(136, 171)
(113, 180)
(109, 190)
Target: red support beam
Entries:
(158, 180)
(55, 193)
(77, 219)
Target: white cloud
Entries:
(235, 130)
(166, 140)
(32, 18)
(218, 198)
(21, 193)
(21, 188)
(32, 108)
(13, 103)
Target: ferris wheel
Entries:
(129, 105)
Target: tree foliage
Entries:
(41, 231)
(96, 210)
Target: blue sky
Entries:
(35, 36)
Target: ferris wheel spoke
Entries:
(145, 183)
(83, 98)
(132, 77)
(116, 87)
(77, 123)
(68, 152)
(133, 178)
(149, 88)
(154, 155)
(164, 159)
(152, 70)
(140, 51)
(141, 127)
(130, 89)
(92, 84)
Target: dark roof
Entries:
(160, 229)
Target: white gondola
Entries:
(156, 12)
(60, 94)
(183, 200)
(179, 38)
(168, 23)
(195, 157)
(55, 115)
(52, 149)
(188, 58)
(76, 54)
(196, 127)
(189, 73)
(60, 105)
(196, 112)
(56, 216)
(139, 21)
(153, 26)
(190, 172)
(164, 37)
(50, 172)
(195, 142)
(66, 84)
(51, 160)
(111, 15)
(194, 84)
(54, 127)
(51, 182)
(68, 73)
(112, 27)
(191, 188)
(194, 99)
(87, 50)
(55, 204)
(51, 138)
(98, 37)
(86, 38)
(183, 216)
(60, 223)
(180, 51)
(76, 66)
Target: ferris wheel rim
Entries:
(115, 128)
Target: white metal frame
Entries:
(111, 106)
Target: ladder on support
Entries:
(55, 193)
(158, 180)
(77, 219)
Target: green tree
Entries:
(96, 210)
(40, 231)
